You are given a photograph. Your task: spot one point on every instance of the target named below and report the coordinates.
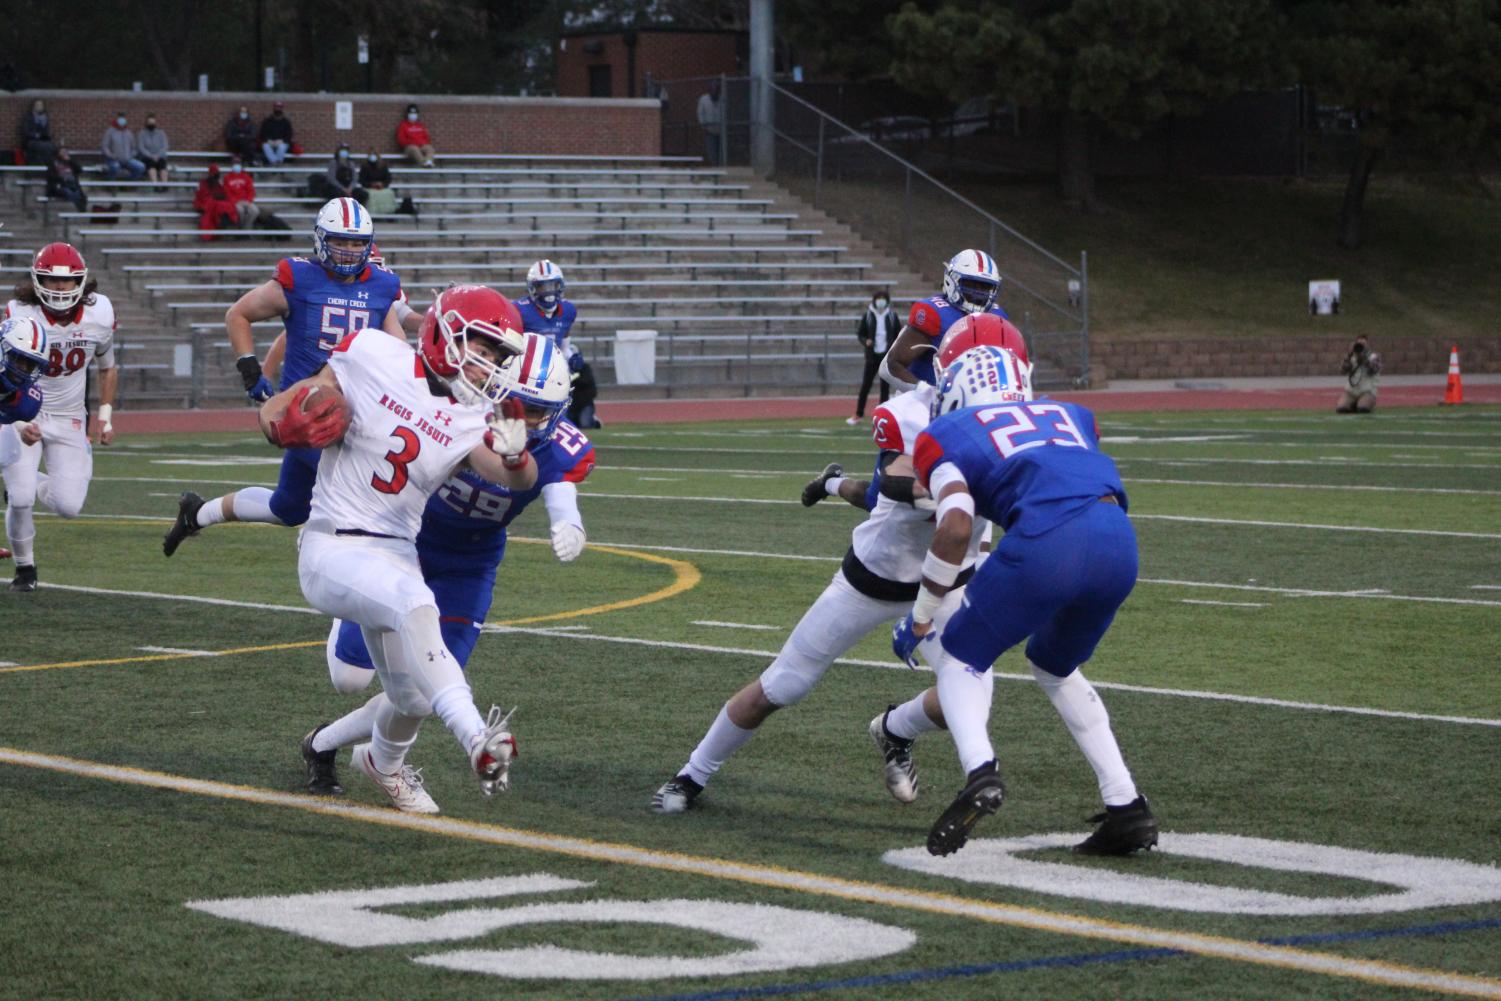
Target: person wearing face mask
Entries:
(276, 135)
(213, 204)
(118, 147)
(878, 328)
(239, 135)
(413, 138)
(239, 189)
(36, 133)
(151, 149)
(339, 179)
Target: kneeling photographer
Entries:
(1362, 370)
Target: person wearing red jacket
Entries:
(413, 138)
(213, 202)
(239, 188)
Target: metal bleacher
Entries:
(750, 291)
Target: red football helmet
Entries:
(376, 257)
(979, 329)
(460, 315)
(59, 260)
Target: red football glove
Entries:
(320, 425)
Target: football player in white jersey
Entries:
(80, 325)
(414, 417)
(874, 587)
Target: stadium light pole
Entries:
(762, 65)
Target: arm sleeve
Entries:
(562, 500)
(924, 317)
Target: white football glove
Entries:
(507, 434)
(567, 541)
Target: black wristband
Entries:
(898, 488)
(250, 371)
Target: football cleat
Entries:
(1122, 830)
(817, 488)
(322, 769)
(404, 789)
(676, 795)
(981, 796)
(491, 752)
(186, 524)
(901, 770)
(25, 578)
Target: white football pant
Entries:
(70, 465)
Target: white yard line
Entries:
(737, 625)
(1229, 604)
(173, 649)
(891, 665)
(1314, 486)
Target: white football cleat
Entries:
(901, 770)
(404, 789)
(491, 752)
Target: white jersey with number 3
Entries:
(83, 334)
(402, 442)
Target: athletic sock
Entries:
(253, 504)
(391, 737)
(212, 512)
(1088, 720)
(723, 739)
(909, 720)
(832, 485)
(352, 728)
(965, 696)
(20, 528)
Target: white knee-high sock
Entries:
(723, 739)
(20, 528)
(1088, 720)
(417, 649)
(391, 736)
(250, 504)
(909, 720)
(351, 728)
(965, 696)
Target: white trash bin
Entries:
(635, 357)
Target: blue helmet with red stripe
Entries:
(343, 219)
(971, 281)
(542, 384)
(23, 354)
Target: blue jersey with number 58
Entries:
(469, 514)
(323, 310)
(1030, 466)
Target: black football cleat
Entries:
(981, 796)
(1122, 831)
(817, 488)
(676, 795)
(25, 578)
(186, 524)
(322, 771)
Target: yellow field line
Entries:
(686, 576)
(885, 895)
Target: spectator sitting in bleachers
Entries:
(276, 135)
(375, 178)
(239, 190)
(62, 180)
(413, 138)
(118, 148)
(239, 135)
(339, 180)
(212, 201)
(36, 134)
(151, 148)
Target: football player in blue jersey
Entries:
(971, 282)
(546, 311)
(321, 301)
(23, 357)
(461, 545)
(1066, 563)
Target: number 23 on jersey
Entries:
(1030, 425)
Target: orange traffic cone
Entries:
(1454, 392)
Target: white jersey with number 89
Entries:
(84, 333)
(402, 442)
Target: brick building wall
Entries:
(1226, 358)
(543, 125)
(660, 53)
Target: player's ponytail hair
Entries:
(25, 292)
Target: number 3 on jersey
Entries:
(1031, 425)
(399, 460)
(338, 322)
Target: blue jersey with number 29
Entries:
(323, 310)
(1030, 466)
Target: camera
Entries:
(1358, 348)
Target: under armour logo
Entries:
(363, 295)
(439, 415)
(431, 657)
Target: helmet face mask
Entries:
(59, 261)
(971, 281)
(343, 234)
(544, 283)
(23, 354)
(983, 376)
